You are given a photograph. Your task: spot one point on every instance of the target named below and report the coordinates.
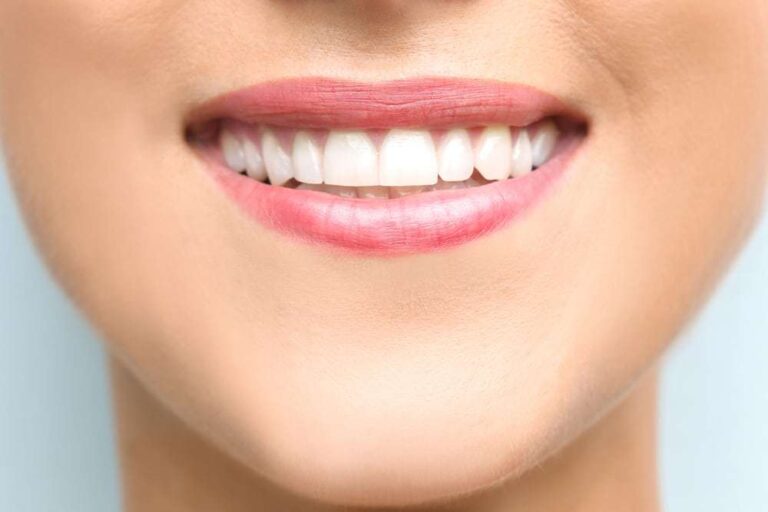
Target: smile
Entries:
(389, 168)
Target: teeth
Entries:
(233, 152)
(278, 162)
(310, 186)
(408, 161)
(408, 158)
(472, 182)
(405, 191)
(341, 191)
(543, 142)
(350, 159)
(455, 155)
(254, 164)
(450, 185)
(373, 192)
(307, 159)
(330, 189)
(494, 153)
(522, 160)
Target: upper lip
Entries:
(419, 102)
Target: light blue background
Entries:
(56, 450)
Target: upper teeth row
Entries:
(405, 157)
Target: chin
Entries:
(420, 424)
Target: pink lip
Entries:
(416, 223)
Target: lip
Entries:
(417, 223)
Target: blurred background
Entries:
(56, 439)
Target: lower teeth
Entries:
(380, 192)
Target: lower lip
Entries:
(422, 222)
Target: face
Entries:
(339, 370)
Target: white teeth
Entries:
(350, 159)
(455, 155)
(543, 143)
(408, 161)
(307, 159)
(373, 192)
(233, 152)
(522, 162)
(254, 164)
(278, 162)
(494, 153)
(408, 157)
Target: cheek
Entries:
(88, 137)
(680, 169)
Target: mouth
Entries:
(386, 168)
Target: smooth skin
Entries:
(516, 372)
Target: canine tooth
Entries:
(232, 149)
(543, 142)
(307, 159)
(522, 161)
(254, 164)
(395, 192)
(278, 162)
(455, 156)
(350, 159)
(373, 192)
(408, 157)
(493, 154)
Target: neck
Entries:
(167, 467)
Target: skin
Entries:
(514, 372)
